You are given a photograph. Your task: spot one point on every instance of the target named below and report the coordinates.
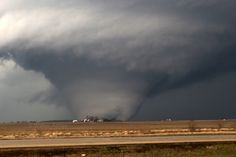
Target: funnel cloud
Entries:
(110, 58)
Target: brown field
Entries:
(29, 130)
(147, 150)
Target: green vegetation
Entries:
(158, 150)
(188, 150)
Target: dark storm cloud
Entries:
(106, 58)
(209, 99)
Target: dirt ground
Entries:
(29, 130)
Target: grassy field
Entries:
(160, 150)
(186, 150)
(25, 130)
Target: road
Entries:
(113, 140)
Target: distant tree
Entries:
(192, 126)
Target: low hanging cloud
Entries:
(105, 58)
(18, 88)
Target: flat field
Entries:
(147, 150)
(29, 130)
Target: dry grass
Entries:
(158, 150)
(109, 129)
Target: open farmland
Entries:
(147, 150)
(130, 139)
(27, 130)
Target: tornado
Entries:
(107, 58)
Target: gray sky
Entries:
(140, 60)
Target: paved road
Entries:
(113, 140)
